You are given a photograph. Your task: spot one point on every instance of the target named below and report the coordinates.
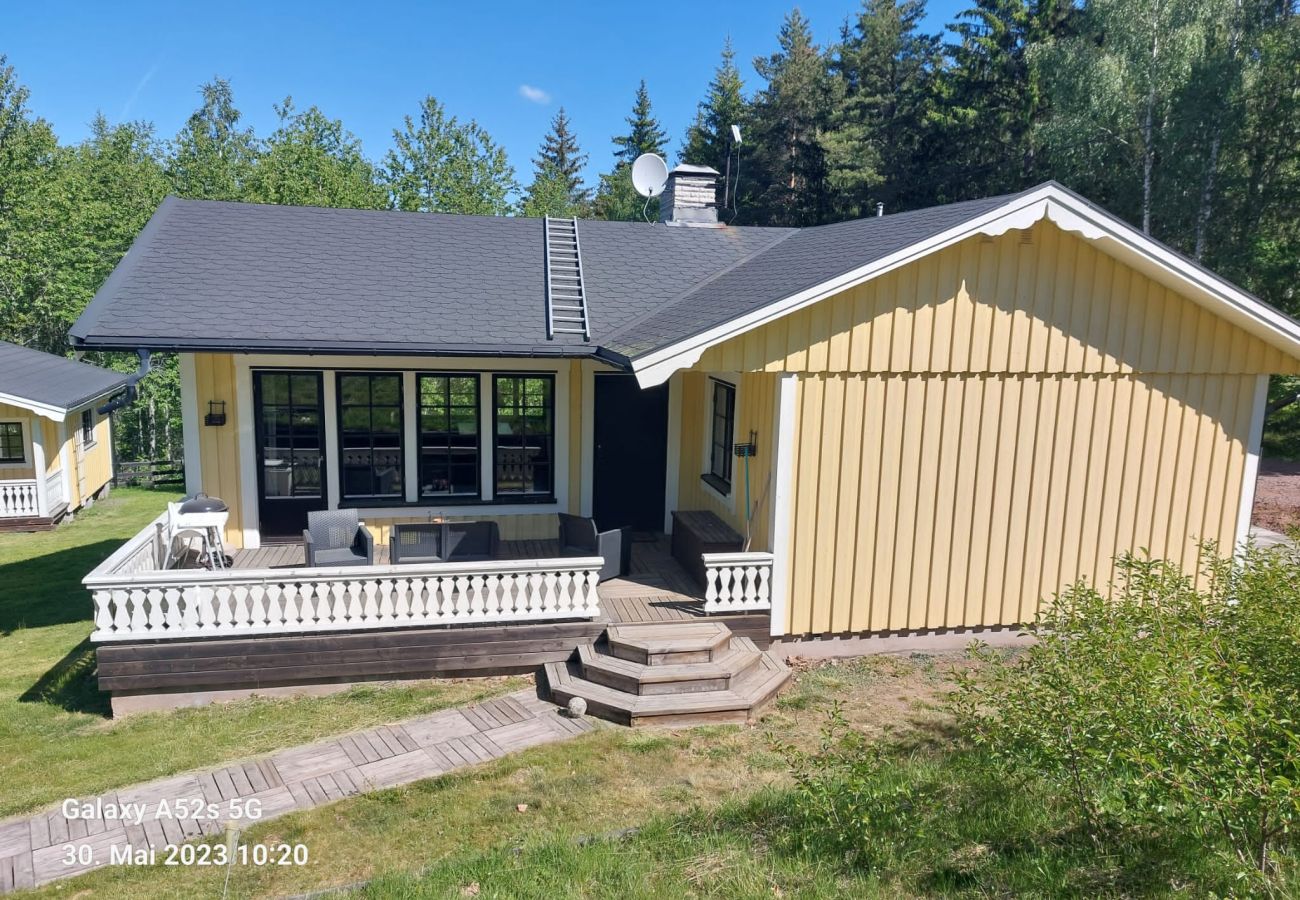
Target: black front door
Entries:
(631, 459)
(290, 416)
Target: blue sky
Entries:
(508, 65)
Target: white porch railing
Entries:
(54, 490)
(737, 581)
(18, 498)
(134, 600)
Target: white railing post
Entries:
(18, 499)
(737, 581)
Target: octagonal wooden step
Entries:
(669, 643)
(596, 664)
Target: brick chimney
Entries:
(691, 197)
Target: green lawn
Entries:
(56, 736)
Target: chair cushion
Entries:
(343, 556)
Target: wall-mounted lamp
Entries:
(216, 413)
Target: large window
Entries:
(291, 434)
(12, 449)
(370, 434)
(524, 443)
(449, 436)
(722, 426)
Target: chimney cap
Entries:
(688, 169)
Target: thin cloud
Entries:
(139, 89)
(534, 94)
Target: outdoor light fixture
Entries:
(216, 413)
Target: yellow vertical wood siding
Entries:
(96, 463)
(1036, 301)
(755, 406)
(980, 428)
(941, 501)
(214, 379)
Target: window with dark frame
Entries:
(449, 435)
(12, 449)
(291, 433)
(370, 435)
(87, 427)
(722, 428)
(523, 446)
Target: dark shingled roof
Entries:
(53, 380)
(237, 276)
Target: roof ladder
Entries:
(566, 299)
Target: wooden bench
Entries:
(698, 531)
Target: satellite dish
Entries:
(649, 174)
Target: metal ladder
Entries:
(566, 299)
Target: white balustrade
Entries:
(54, 491)
(134, 599)
(18, 499)
(737, 581)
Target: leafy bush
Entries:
(1170, 705)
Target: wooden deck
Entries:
(657, 589)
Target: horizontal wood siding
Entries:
(333, 658)
(1036, 301)
(941, 501)
(755, 408)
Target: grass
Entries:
(56, 737)
(592, 786)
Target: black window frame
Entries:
(21, 458)
(720, 481)
(352, 500)
(518, 496)
(87, 428)
(450, 499)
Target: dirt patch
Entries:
(1277, 495)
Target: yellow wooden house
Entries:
(56, 447)
(905, 424)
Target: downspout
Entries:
(129, 391)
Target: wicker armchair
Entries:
(336, 537)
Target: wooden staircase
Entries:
(680, 673)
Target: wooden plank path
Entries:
(33, 849)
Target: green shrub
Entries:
(1169, 706)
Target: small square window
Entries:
(12, 446)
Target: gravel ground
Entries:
(1277, 495)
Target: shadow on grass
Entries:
(70, 684)
(46, 590)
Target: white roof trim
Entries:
(49, 411)
(1063, 208)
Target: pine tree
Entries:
(644, 132)
(708, 139)
(556, 189)
(441, 165)
(883, 72)
(786, 176)
(616, 199)
(993, 97)
(212, 157)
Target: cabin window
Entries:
(87, 428)
(449, 435)
(370, 435)
(524, 439)
(722, 425)
(13, 448)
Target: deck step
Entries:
(732, 685)
(669, 643)
(638, 678)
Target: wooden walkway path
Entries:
(33, 849)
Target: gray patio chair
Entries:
(579, 537)
(336, 537)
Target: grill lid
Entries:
(202, 503)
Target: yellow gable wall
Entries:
(982, 428)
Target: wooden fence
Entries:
(150, 473)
